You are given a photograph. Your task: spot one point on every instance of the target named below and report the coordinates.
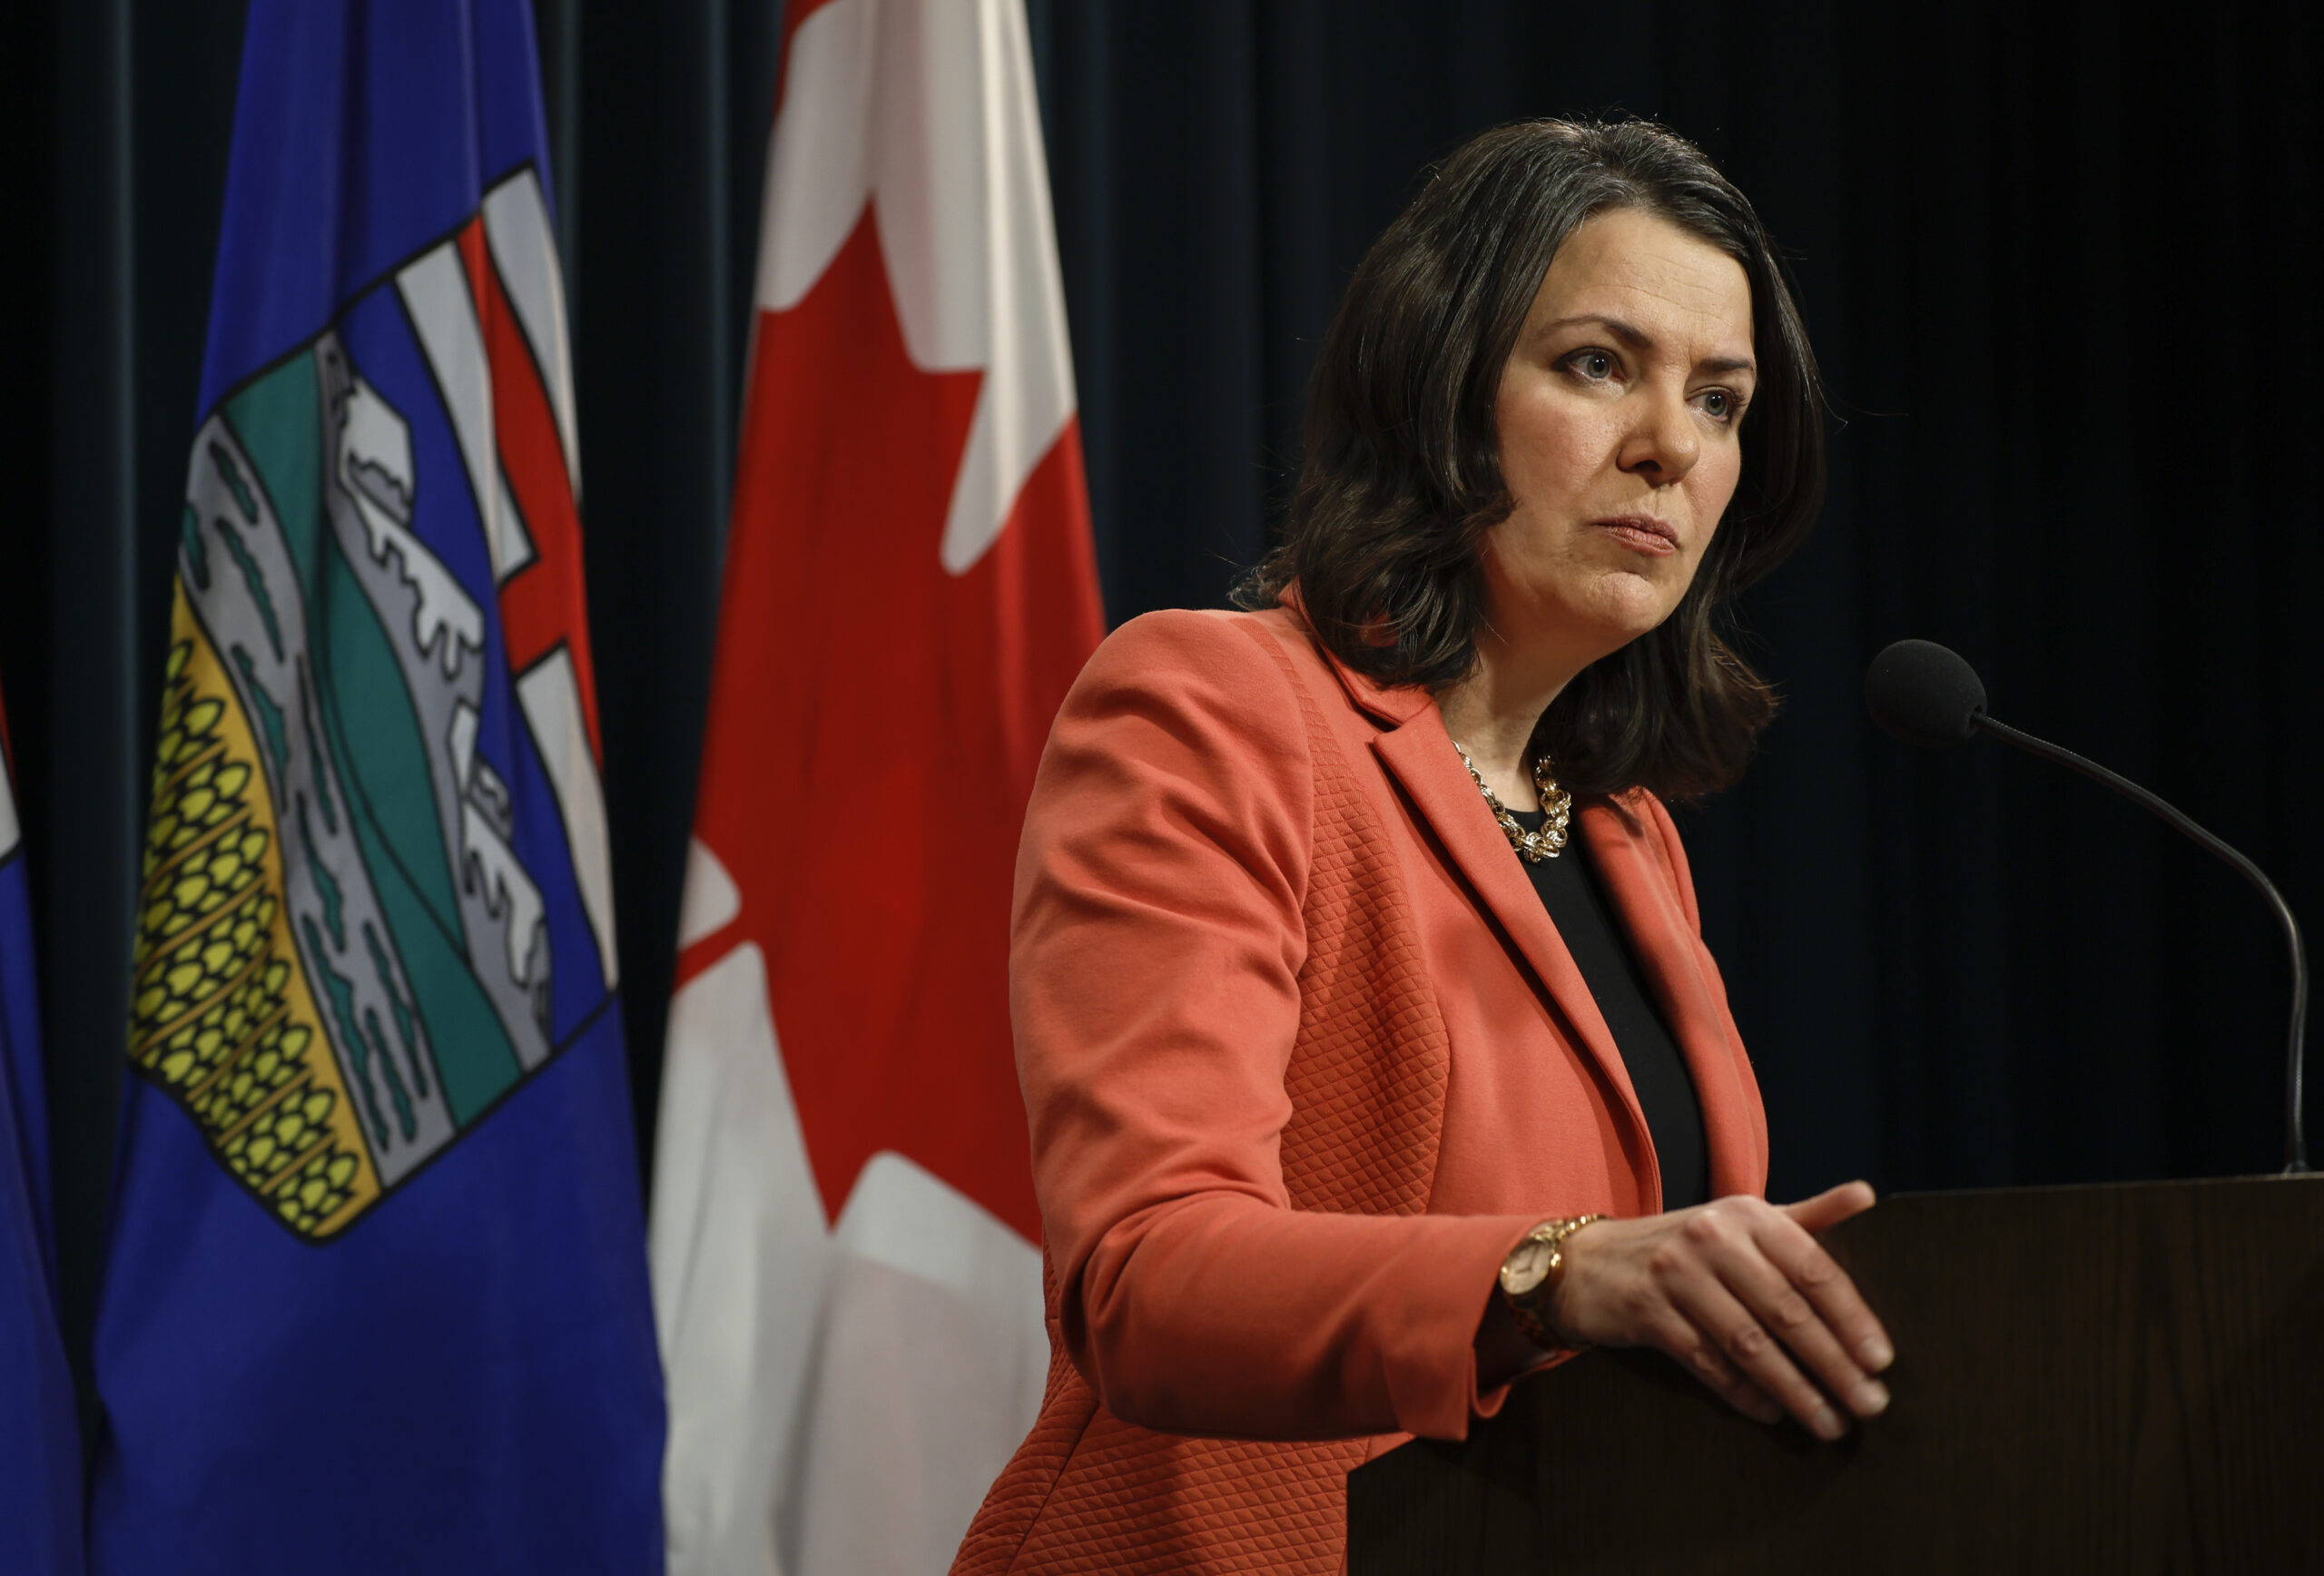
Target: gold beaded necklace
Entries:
(1556, 804)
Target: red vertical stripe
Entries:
(542, 605)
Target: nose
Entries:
(1661, 445)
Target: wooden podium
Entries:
(2102, 1379)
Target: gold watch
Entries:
(1530, 1274)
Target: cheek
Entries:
(1548, 450)
(1713, 485)
(1709, 489)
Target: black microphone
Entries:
(1927, 696)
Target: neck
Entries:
(1494, 710)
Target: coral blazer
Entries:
(1304, 1057)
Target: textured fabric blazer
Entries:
(1304, 1057)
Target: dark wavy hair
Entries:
(1401, 475)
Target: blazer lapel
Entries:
(1671, 956)
(1419, 756)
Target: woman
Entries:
(1371, 1052)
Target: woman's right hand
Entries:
(1740, 1293)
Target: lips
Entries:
(1641, 533)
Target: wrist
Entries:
(1533, 1274)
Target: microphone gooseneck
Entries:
(1928, 696)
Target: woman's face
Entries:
(1618, 414)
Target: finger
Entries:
(1695, 1352)
(1745, 1343)
(1783, 1310)
(1802, 1261)
(1832, 1206)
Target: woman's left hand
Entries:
(1742, 1295)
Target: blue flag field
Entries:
(40, 1444)
(375, 1296)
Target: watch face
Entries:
(1526, 1266)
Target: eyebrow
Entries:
(1638, 338)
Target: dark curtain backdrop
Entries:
(2061, 261)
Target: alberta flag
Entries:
(376, 1295)
(40, 1446)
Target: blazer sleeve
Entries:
(1156, 949)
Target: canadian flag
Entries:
(844, 1271)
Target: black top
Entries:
(1570, 889)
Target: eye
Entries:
(1591, 366)
(1721, 404)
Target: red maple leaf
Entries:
(875, 726)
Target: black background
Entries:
(2061, 261)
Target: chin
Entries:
(1622, 618)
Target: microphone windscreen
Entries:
(1923, 693)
